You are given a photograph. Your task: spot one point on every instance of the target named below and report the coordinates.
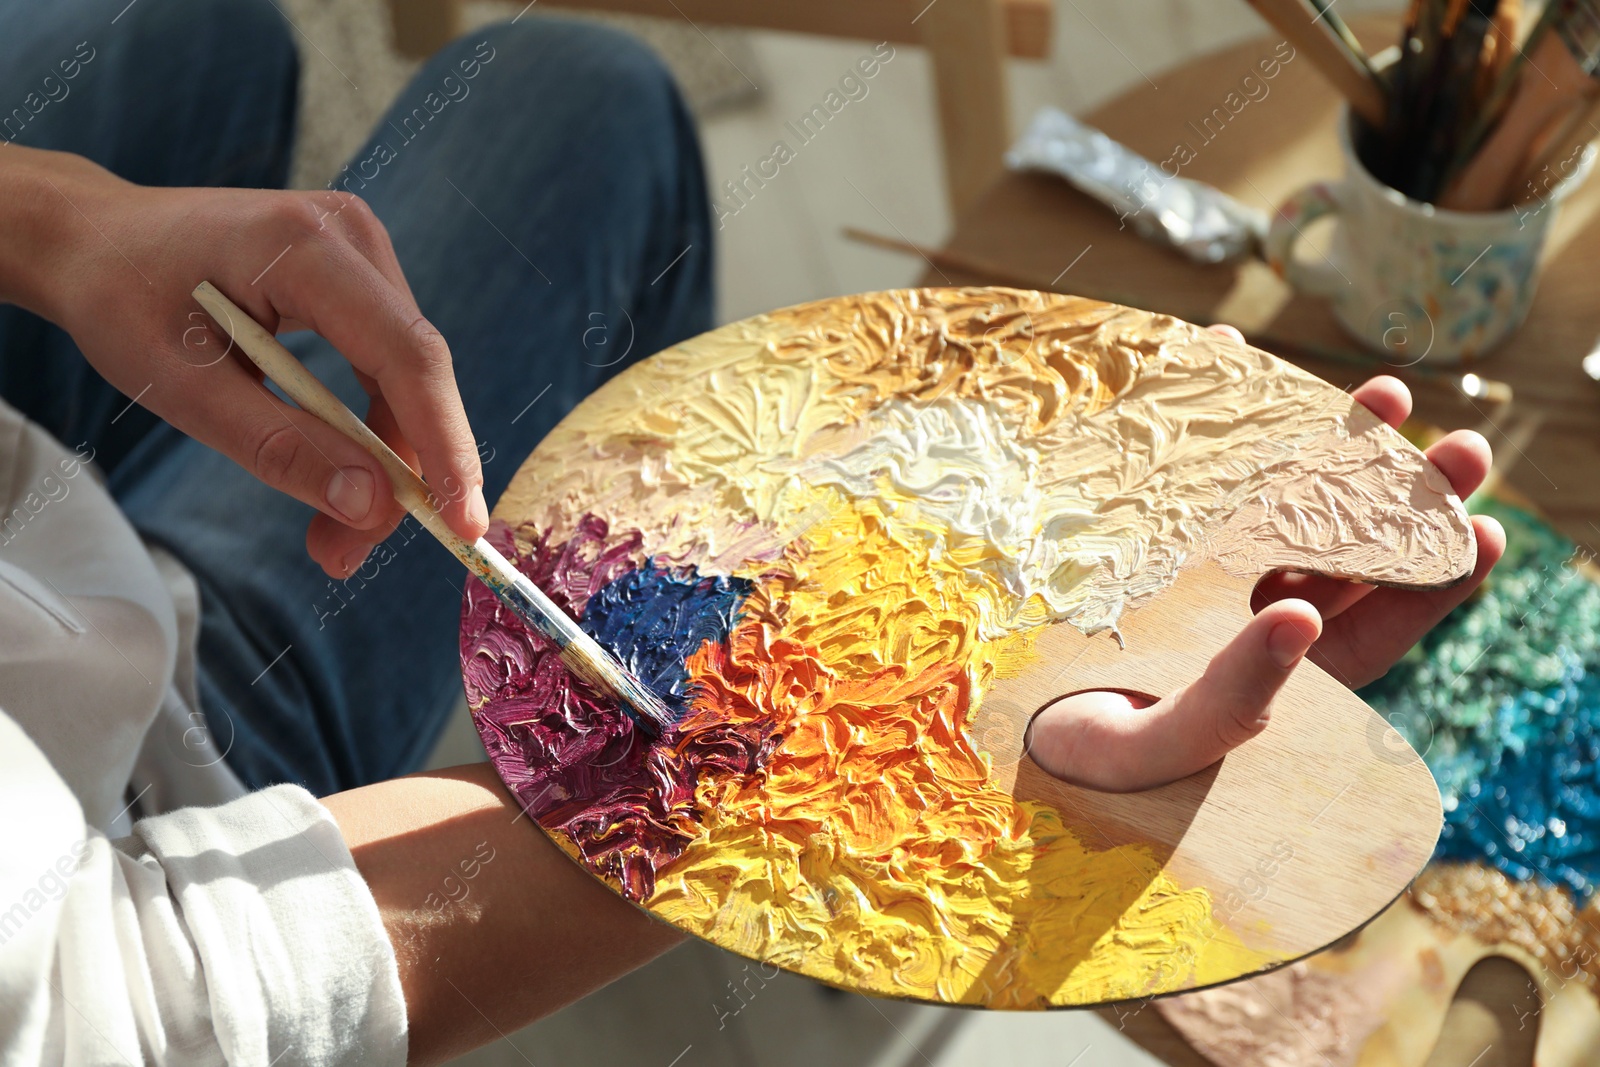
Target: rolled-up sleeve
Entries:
(240, 934)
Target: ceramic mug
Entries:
(1411, 280)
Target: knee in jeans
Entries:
(603, 78)
(245, 39)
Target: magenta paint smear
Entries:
(576, 760)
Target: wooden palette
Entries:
(858, 544)
(1469, 957)
(1383, 999)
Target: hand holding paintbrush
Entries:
(579, 652)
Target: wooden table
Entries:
(1036, 232)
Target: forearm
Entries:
(46, 202)
(527, 933)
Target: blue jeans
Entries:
(542, 216)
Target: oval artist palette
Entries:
(1503, 701)
(857, 544)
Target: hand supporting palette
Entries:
(857, 544)
(1503, 699)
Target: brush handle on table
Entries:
(1328, 54)
(481, 558)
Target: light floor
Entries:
(875, 167)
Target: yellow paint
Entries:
(873, 852)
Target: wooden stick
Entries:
(965, 41)
(1423, 66)
(1503, 44)
(1567, 146)
(1403, 76)
(1458, 66)
(1341, 30)
(581, 653)
(1328, 54)
(1507, 79)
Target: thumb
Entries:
(1105, 741)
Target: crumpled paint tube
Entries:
(1199, 220)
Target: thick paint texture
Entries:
(1503, 700)
(1138, 440)
(577, 761)
(822, 535)
(879, 854)
(655, 618)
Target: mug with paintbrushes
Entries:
(1412, 280)
(1454, 179)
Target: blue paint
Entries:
(1503, 701)
(654, 618)
(1537, 812)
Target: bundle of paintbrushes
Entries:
(1484, 107)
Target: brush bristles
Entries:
(608, 676)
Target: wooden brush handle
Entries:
(280, 365)
(481, 558)
(1552, 82)
(1565, 146)
(1294, 20)
(582, 654)
(1503, 34)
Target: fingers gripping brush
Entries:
(581, 653)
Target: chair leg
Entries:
(422, 27)
(967, 42)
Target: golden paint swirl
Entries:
(872, 850)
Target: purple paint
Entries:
(575, 760)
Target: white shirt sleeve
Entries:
(241, 934)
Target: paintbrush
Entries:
(1499, 52)
(1341, 30)
(1556, 81)
(1329, 55)
(1507, 76)
(1426, 70)
(1420, 110)
(1458, 65)
(1403, 76)
(581, 653)
(1501, 46)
